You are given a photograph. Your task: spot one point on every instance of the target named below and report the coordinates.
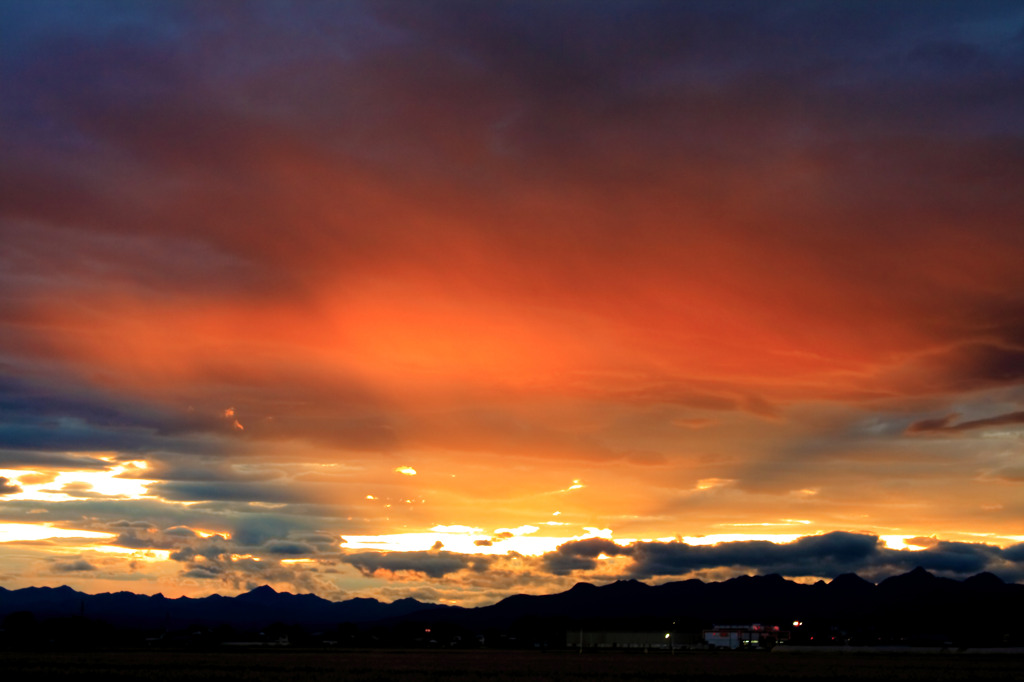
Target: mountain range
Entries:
(917, 603)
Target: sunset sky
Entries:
(456, 300)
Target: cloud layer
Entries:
(728, 267)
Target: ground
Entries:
(416, 666)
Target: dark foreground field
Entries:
(414, 666)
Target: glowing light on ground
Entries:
(406, 471)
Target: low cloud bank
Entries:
(830, 554)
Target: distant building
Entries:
(745, 636)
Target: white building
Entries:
(744, 636)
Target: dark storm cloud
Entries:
(826, 555)
(1015, 553)
(580, 555)
(830, 554)
(435, 564)
(43, 425)
(959, 558)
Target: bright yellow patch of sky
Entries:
(70, 485)
(23, 532)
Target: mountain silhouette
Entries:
(915, 605)
(254, 609)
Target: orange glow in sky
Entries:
(368, 300)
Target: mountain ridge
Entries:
(917, 601)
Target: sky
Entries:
(457, 300)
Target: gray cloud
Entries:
(255, 530)
(435, 564)
(580, 555)
(178, 538)
(31, 459)
(826, 555)
(286, 548)
(203, 573)
(73, 566)
(1015, 553)
(945, 424)
(133, 541)
(214, 550)
(181, 531)
(216, 560)
(240, 491)
(144, 525)
(321, 542)
(102, 512)
(41, 421)
(7, 487)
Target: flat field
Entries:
(279, 665)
